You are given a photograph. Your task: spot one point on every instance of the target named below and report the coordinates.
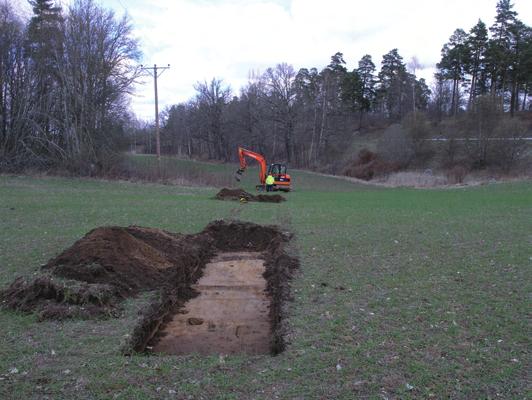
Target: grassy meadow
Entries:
(402, 293)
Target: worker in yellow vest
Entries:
(269, 183)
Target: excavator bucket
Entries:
(238, 174)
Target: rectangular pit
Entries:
(233, 303)
(230, 314)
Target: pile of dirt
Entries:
(239, 194)
(109, 264)
(242, 236)
(132, 258)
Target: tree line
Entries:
(306, 117)
(309, 117)
(66, 76)
(64, 80)
(495, 61)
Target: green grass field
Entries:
(402, 293)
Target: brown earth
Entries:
(230, 314)
(132, 258)
(226, 237)
(107, 265)
(238, 194)
(112, 263)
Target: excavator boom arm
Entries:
(243, 153)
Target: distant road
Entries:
(527, 139)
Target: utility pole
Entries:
(156, 71)
(414, 64)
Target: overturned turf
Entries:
(238, 194)
(112, 263)
(55, 298)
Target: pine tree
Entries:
(499, 47)
(452, 64)
(44, 46)
(44, 41)
(476, 43)
(392, 79)
(524, 70)
(352, 91)
(423, 93)
(519, 62)
(504, 19)
(366, 70)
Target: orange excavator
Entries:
(278, 171)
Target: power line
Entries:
(156, 72)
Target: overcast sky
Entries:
(226, 39)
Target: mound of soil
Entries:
(238, 194)
(132, 258)
(107, 265)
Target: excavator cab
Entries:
(282, 179)
(277, 169)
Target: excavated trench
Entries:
(221, 291)
(235, 305)
(229, 315)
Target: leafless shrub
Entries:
(368, 166)
(510, 146)
(395, 146)
(456, 174)
(366, 156)
(418, 129)
(491, 137)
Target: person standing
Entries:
(269, 183)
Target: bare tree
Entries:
(281, 96)
(212, 97)
(96, 74)
(15, 91)
(492, 139)
(250, 119)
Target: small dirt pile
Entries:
(238, 194)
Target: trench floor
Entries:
(229, 316)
